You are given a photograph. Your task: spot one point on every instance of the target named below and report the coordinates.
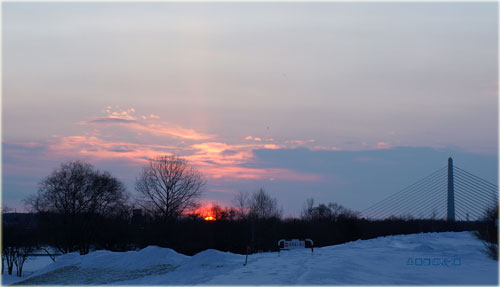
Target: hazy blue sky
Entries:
(343, 102)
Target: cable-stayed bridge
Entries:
(450, 193)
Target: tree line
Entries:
(78, 208)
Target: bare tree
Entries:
(169, 186)
(260, 209)
(6, 209)
(330, 211)
(240, 202)
(18, 242)
(262, 205)
(6, 259)
(22, 253)
(257, 205)
(308, 210)
(222, 213)
(488, 231)
(16, 252)
(78, 195)
(52, 256)
(8, 256)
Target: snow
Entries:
(30, 266)
(448, 258)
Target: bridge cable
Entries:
(419, 182)
(431, 188)
(476, 177)
(477, 185)
(467, 187)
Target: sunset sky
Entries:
(340, 102)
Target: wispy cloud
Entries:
(300, 142)
(258, 139)
(219, 161)
(384, 145)
(127, 119)
(110, 121)
(98, 149)
(232, 173)
(224, 161)
(127, 114)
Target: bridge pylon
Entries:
(451, 192)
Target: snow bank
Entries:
(130, 260)
(449, 258)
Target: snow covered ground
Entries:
(448, 258)
(30, 266)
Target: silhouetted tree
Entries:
(18, 241)
(260, 212)
(330, 211)
(240, 202)
(169, 186)
(262, 205)
(488, 231)
(22, 253)
(222, 213)
(8, 256)
(8, 250)
(73, 199)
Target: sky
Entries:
(341, 102)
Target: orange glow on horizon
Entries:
(206, 212)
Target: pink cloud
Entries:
(258, 139)
(223, 161)
(97, 149)
(272, 146)
(175, 131)
(127, 119)
(384, 145)
(300, 142)
(220, 153)
(217, 160)
(122, 114)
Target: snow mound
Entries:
(212, 256)
(424, 247)
(151, 255)
(130, 260)
(101, 267)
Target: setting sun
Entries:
(206, 212)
